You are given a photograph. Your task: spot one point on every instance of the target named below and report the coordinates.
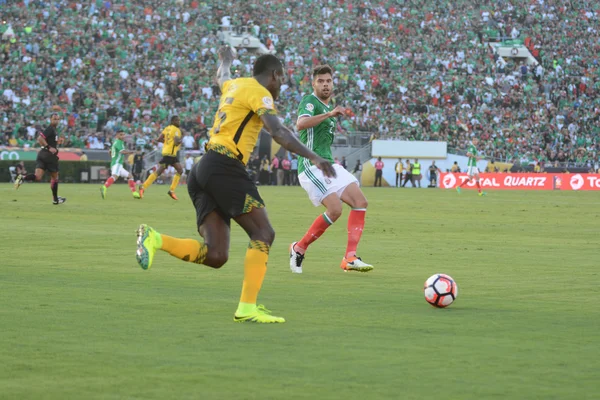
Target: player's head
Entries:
(120, 135)
(175, 120)
(475, 141)
(268, 70)
(322, 81)
(54, 119)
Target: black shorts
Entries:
(46, 161)
(168, 161)
(221, 183)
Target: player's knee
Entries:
(266, 235)
(217, 259)
(361, 203)
(334, 213)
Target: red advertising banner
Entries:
(524, 181)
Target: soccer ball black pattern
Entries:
(440, 290)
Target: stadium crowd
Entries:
(418, 70)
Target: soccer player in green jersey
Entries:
(472, 169)
(117, 153)
(316, 123)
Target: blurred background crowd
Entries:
(416, 70)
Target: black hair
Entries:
(173, 117)
(321, 70)
(266, 63)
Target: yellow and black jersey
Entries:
(237, 123)
(170, 148)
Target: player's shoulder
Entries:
(309, 98)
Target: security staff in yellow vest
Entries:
(416, 173)
(399, 168)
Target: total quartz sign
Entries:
(525, 181)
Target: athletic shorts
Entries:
(118, 170)
(472, 170)
(168, 160)
(47, 161)
(221, 183)
(319, 186)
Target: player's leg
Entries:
(355, 198)
(151, 178)
(35, 177)
(465, 182)
(175, 181)
(41, 164)
(333, 211)
(213, 252)
(54, 188)
(476, 177)
(261, 234)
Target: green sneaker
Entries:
(261, 316)
(136, 195)
(458, 189)
(482, 193)
(103, 192)
(148, 241)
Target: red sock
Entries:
(356, 223)
(478, 187)
(464, 183)
(109, 181)
(321, 223)
(131, 183)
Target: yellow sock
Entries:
(175, 182)
(255, 267)
(185, 249)
(151, 178)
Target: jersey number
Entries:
(222, 117)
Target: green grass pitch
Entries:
(80, 320)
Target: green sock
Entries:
(245, 309)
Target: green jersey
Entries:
(115, 153)
(473, 159)
(318, 138)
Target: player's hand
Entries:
(226, 54)
(324, 166)
(52, 150)
(338, 111)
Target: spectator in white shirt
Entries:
(188, 142)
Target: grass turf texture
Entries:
(81, 320)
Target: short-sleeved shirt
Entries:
(473, 159)
(50, 135)
(170, 148)
(318, 138)
(115, 153)
(237, 122)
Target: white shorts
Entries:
(472, 170)
(318, 186)
(118, 170)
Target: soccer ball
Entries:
(440, 290)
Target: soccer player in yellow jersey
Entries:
(171, 139)
(221, 189)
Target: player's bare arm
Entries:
(306, 122)
(287, 140)
(226, 57)
(161, 138)
(42, 141)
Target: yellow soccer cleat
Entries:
(260, 316)
(148, 241)
(136, 195)
(18, 182)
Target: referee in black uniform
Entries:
(47, 160)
